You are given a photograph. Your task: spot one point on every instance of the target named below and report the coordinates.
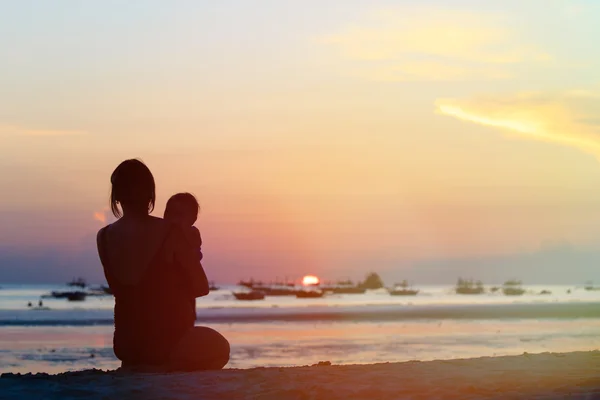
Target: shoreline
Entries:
(544, 375)
(367, 312)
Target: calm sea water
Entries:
(343, 329)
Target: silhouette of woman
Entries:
(153, 275)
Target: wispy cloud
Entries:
(432, 44)
(101, 216)
(569, 118)
(13, 130)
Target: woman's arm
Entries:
(186, 255)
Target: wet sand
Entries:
(540, 376)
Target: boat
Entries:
(79, 282)
(544, 292)
(343, 287)
(465, 286)
(250, 284)
(309, 294)
(589, 286)
(76, 296)
(212, 287)
(55, 295)
(251, 295)
(276, 290)
(403, 289)
(512, 288)
(101, 290)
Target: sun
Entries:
(310, 280)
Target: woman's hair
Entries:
(133, 186)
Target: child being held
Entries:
(182, 209)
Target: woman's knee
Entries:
(211, 337)
(203, 345)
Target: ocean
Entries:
(286, 331)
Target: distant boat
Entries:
(212, 287)
(101, 290)
(403, 289)
(56, 295)
(76, 296)
(545, 292)
(343, 287)
(589, 286)
(250, 284)
(469, 287)
(79, 282)
(252, 295)
(512, 288)
(276, 290)
(348, 290)
(309, 294)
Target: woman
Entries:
(153, 275)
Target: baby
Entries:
(182, 209)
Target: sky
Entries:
(422, 140)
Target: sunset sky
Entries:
(413, 138)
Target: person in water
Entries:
(182, 209)
(153, 274)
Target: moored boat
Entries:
(76, 296)
(309, 294)
(79, 282)
(250, 284)
(512, 288)
(251, 295)
(348, 290)
(276, 290)
(403, 289)
(465, 286)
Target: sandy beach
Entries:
(540, 376)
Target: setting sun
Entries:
(310, 280)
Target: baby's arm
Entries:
(187, 256)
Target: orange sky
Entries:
(315, 143)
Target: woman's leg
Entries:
(201, 348)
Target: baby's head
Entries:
(182, 208)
